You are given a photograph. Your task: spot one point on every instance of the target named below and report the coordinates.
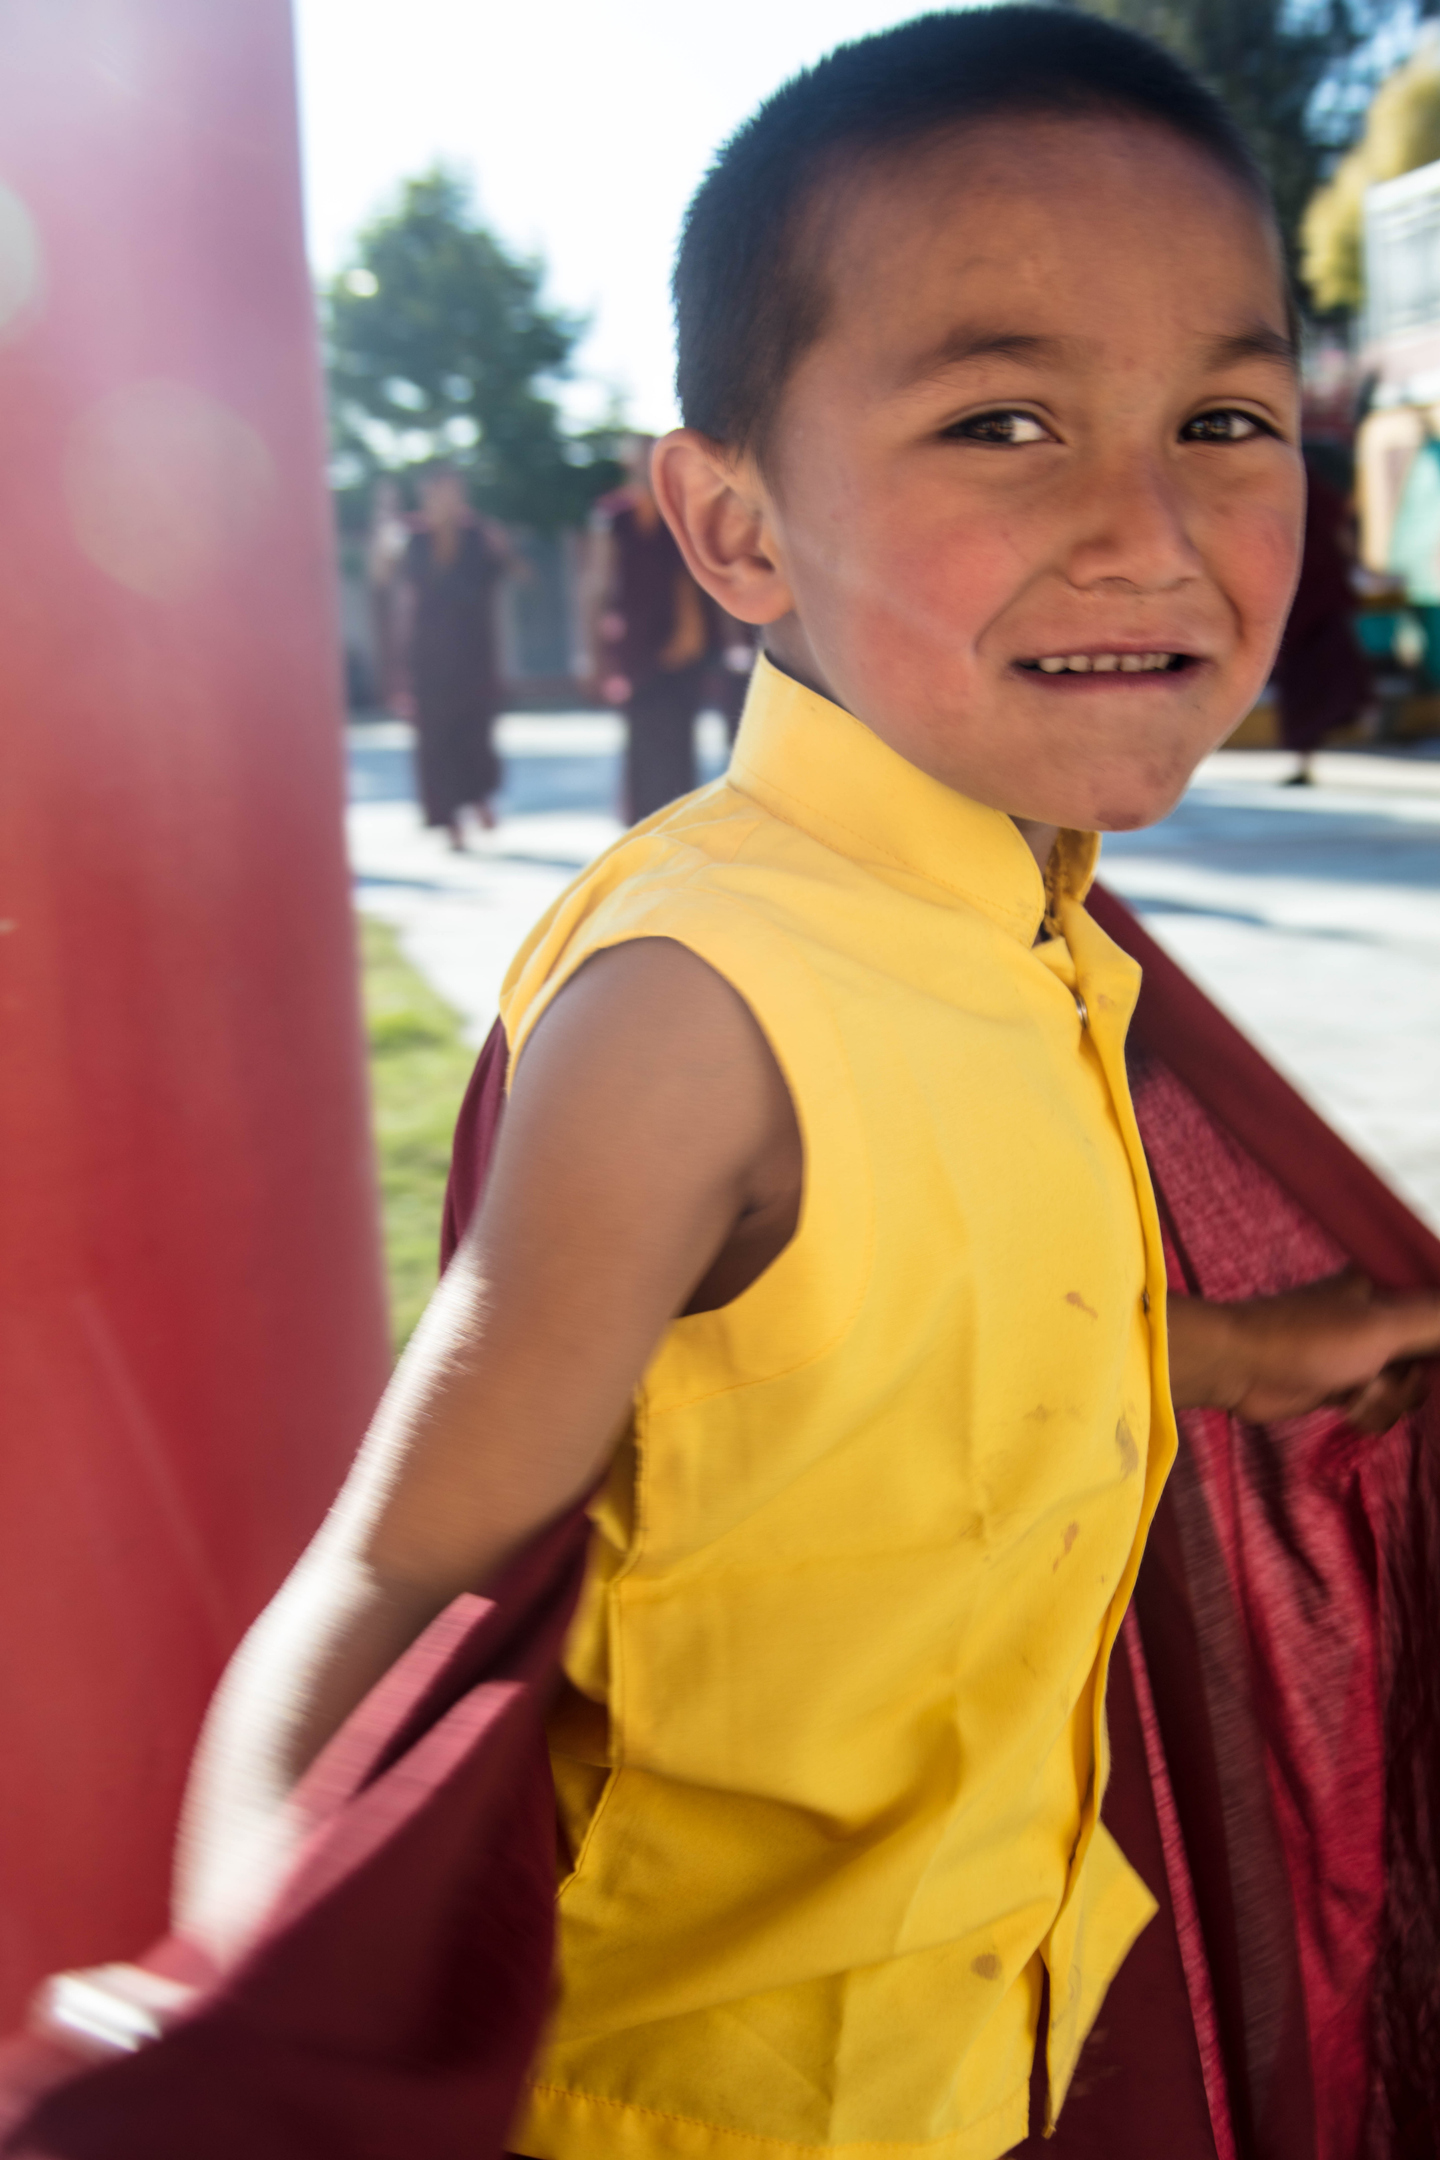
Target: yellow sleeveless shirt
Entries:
(859, 1567)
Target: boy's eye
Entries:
(1225, 425)
(1002, 428)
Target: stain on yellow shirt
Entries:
(859, 1567)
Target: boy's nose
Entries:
(1130, 527)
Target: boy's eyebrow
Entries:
(966, 342)
(1258, 343)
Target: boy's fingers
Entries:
(1429, 1318)
(1411, 1324)
(1394, 1324)
(1352, 1285)
(1383, 1401)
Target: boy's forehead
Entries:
(1069, 221)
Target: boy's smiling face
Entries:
(1031, 505)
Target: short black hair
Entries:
(747, 306)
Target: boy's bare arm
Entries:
(647, 1119)
(1339, 1341)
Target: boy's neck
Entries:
(1040, 839)
(787, 648)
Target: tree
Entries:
(1402, 130)
(1297, 74)
(438, 344)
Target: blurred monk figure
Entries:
(1322, 678)
(733, 666)
(454, 565)
(385, 546)
(652, 635)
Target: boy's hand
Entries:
(1340, 1341)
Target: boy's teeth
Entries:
(1129, 663)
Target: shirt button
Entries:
(1083, 1009)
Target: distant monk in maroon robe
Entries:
(731, 669)
(653, 639)
(1322, 679)
(385, 546)
(453, 567)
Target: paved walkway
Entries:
(461, 917)
(1311, 914)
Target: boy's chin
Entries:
(1120, 794)
(1131, 819)
(1109, 803)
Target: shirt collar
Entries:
(818, 767)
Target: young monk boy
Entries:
(819, 1228)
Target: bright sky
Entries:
(585, 127)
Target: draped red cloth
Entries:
(1289, 1613)
(1275, 1727)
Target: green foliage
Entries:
(1402, 131)
(439, 345)
(1295, 75)
(419, 1068)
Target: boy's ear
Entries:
(716, 506)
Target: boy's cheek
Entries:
(900, 601)
(1286, 545)
(1259, 567)
(945, 586)
(921, 640)
(873, 561)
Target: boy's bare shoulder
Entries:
(649, 1094)
(650, 1016)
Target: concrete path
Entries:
(1312, 915)
(461, 917)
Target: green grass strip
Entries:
(419, 1067)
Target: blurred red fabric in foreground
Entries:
(192, 1324)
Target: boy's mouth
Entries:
(1109, 663)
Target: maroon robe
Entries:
(454, 671)
(649, 587)
(1276, 1776)
(1322, 677)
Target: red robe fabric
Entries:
(1322, 677)
(1289, 1612)
(1276, 1771)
